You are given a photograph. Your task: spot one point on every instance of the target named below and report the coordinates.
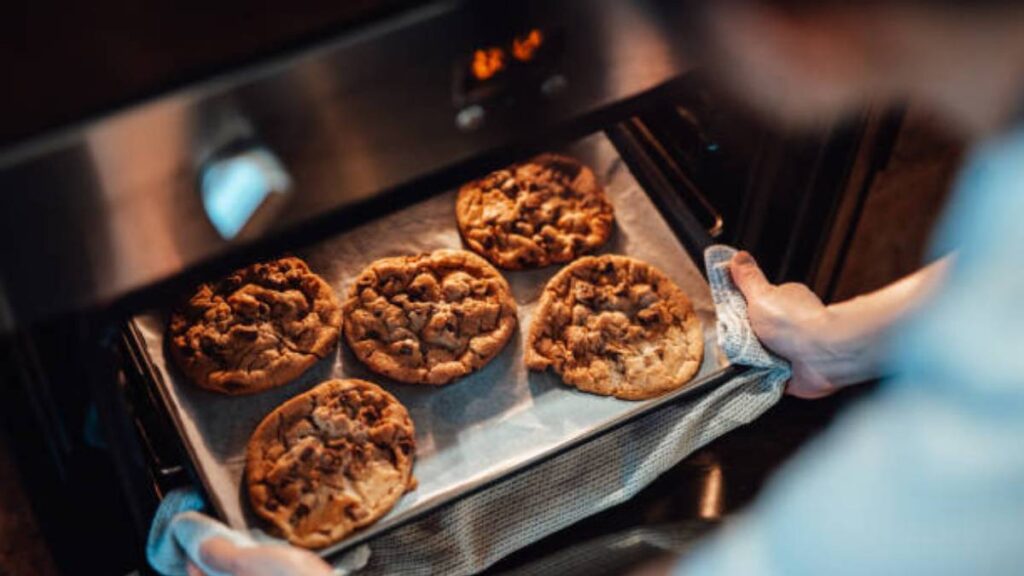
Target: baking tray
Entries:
(470, 433)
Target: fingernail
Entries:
(743, 259)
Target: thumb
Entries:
(748, 276)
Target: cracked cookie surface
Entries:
(259, 327)
(330, 461)
(429, 319)
(547, 210)
(616, 326)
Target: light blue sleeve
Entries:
(926, 477)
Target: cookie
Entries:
(330, 461)
(260, 327)
(429, 319)
(547, 210)
(616, 326)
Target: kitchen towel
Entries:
(735, 336)
(179, 528)
(476, 531)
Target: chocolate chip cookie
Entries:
(547, 210)
(260, 327)
(616, 326)
(330, 461)
(429, 319)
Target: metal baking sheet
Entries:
(470, 432)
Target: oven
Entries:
(120, 214)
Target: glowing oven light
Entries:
(488, 62)
(524, 48)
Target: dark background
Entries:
(64, 61)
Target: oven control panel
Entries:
(521, 67)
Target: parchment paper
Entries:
(468, 432)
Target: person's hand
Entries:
(792, 322)
(262, 560)
(829, 346)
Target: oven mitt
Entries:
(179, 528)
(735, 336)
